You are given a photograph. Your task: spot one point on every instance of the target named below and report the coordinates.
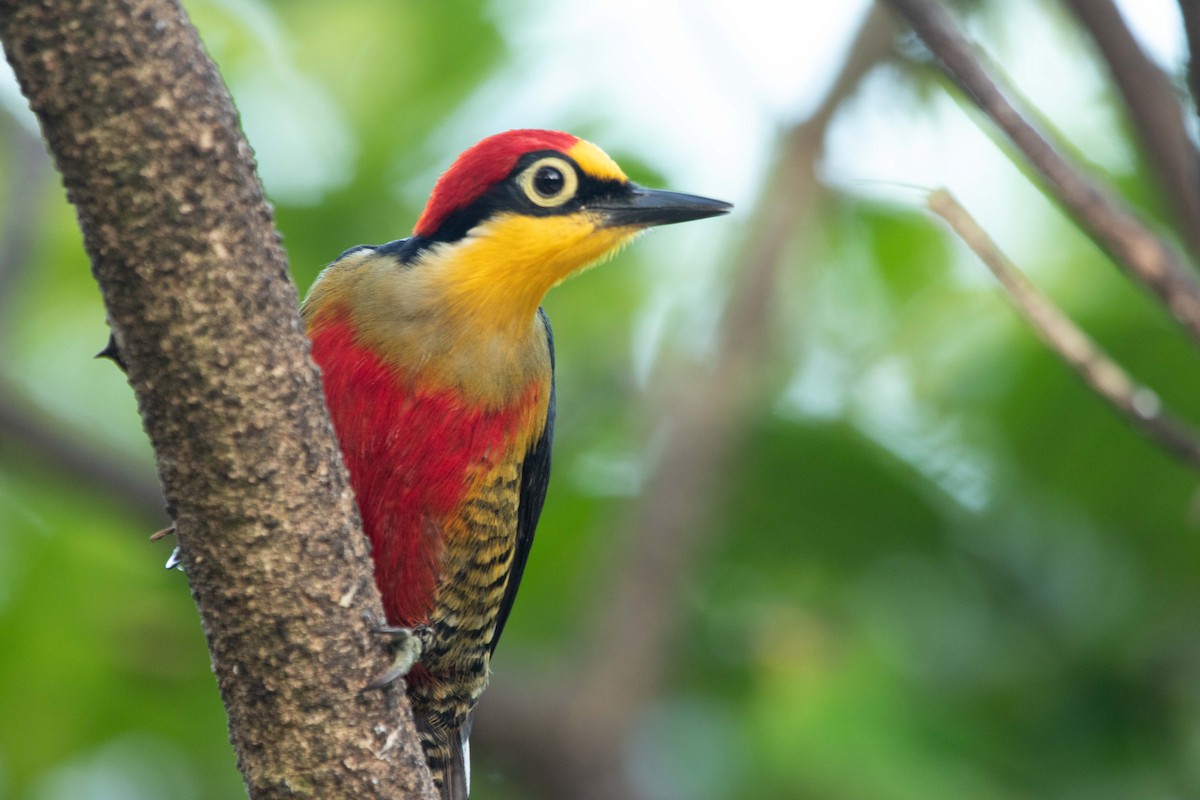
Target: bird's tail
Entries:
(448, 753)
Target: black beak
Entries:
(639, 207)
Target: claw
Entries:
(410, 643)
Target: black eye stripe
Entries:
(509, 196)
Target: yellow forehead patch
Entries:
(596, 162)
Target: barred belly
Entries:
(480, 538)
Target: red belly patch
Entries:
(411, 453)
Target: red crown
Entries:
(481, 167)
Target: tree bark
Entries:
(195, 284)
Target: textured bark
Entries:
(197, 292)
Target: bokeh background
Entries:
(826, 521)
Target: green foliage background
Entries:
(960, 577)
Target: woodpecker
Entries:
(438, 369)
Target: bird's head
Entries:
(522, 210)
(513, 216)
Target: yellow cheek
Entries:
(523, 257)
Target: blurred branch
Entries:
(86, 466)
(1191, 24)
(573, 739)
(1154, 108)
(195, 285)
(708, 413)
(28, 167)
(1136, 402)
(1138, 251)
(20, 424)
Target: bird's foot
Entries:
(410, 643)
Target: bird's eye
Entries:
(549, 182)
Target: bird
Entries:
(437, 364)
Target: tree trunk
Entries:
(204, 316)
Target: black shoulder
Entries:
(405, 250)
(535, 476)
(358, 248)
